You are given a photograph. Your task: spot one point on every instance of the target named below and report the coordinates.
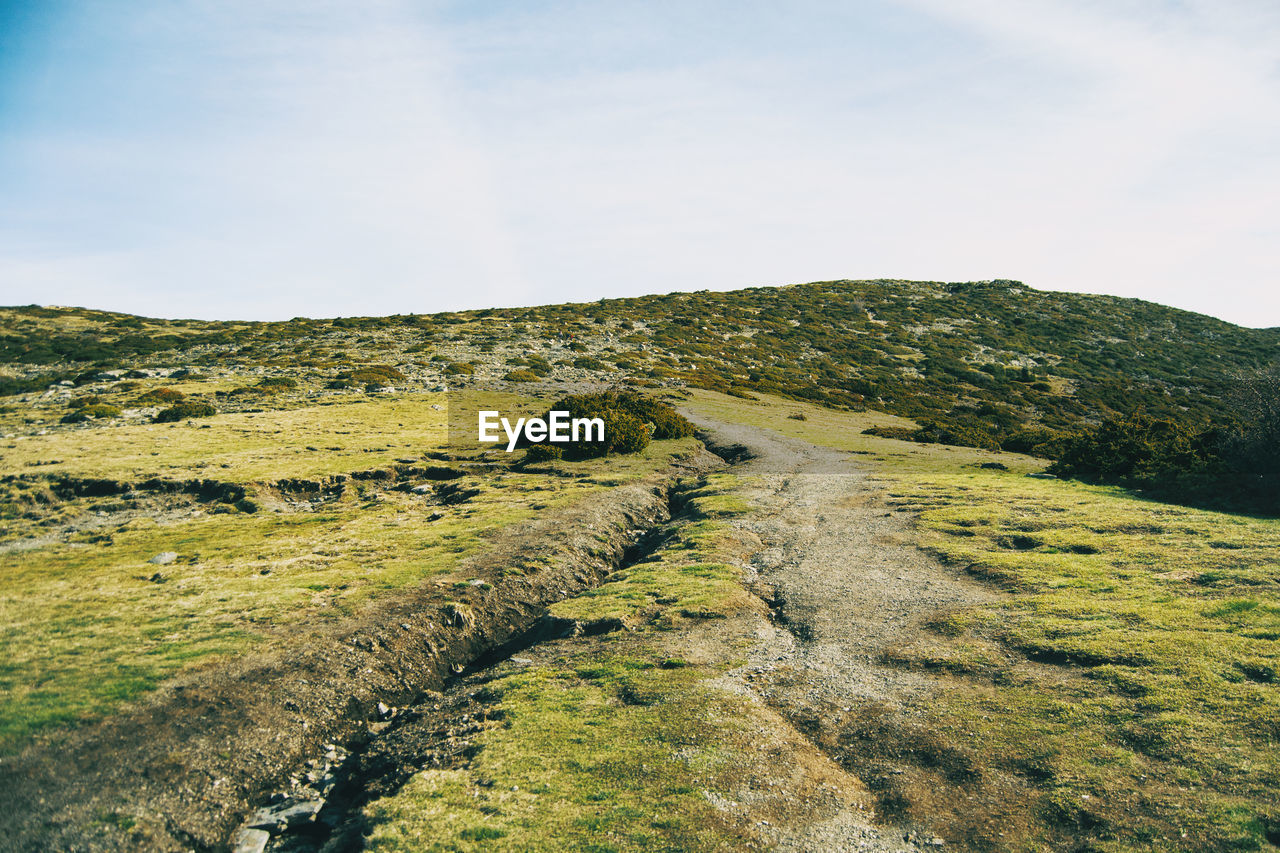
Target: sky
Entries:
(227, 159)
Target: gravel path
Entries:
(847, 582)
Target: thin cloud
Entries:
(287, 158)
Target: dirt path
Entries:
(847, 582)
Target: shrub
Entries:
(81, 402)
(460, 368)
(278, 382)
(900, 433)
(1230, 468)
(1033, 442)
(543, 452)
(521, 376)
(630, 420)
(374, 374)
(93, 410)
(741, 393)
(667, 422)
(182, 411)
(587, 362)
(162, 395)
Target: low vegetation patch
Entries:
(1139, 707)
(184, 411)
(630, 420)
(106, 596)
(1122, 695)
(607, 746)
(1232, 467)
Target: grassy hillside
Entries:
(1121, 694)
(997, 359)
(1117, 691)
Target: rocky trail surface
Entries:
(835, 564)
(839, 569)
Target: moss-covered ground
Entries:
(88, 622)
(611, 745)
(1125, 692)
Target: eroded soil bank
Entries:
(822, 727)
(820, 732)
(181, 769)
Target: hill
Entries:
(989, 360)
(254, 594)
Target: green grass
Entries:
(608, 748)
(1158, 713)
(1126, 680)
(84, 627)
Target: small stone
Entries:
(936, 842)
(384, 712)
(250, 841)
(163, 559)
(279, 818)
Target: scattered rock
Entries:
(278, 818)
(250, 841)
(163, 559)
(384, 712)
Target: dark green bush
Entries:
(278, 382)
(543, 452)
(539, 365)
(1033, 442)
(182, 411)
(630, 420)
(460, 368)
(521, 376)
(587, 362)
(1234, 468)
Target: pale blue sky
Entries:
(267, 159)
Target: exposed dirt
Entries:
(181, 770)
(839, 568)
(844, 582)
(838, 745)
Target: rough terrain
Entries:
(181, 769)
(843, 583)
(834, 563)
(839, 568)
